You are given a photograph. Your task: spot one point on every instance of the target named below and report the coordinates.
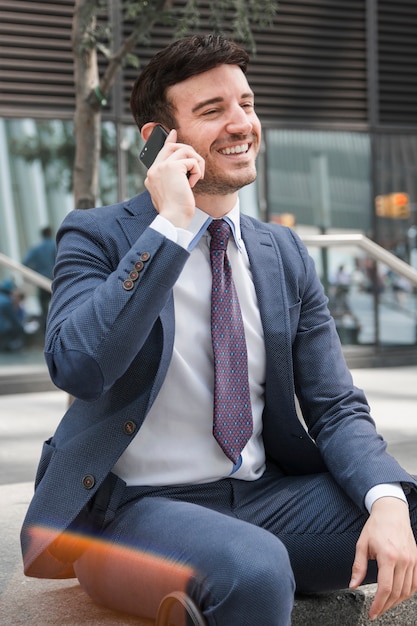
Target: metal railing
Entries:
(355, 358)
(30, 275)
(374, 250)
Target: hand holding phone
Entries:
(171, 192)
(153, 145)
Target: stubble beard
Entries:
(215, 185)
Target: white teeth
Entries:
(236, 149)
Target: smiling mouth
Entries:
(242, 148)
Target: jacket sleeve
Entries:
(336, 412)
(98, 322)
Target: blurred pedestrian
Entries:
(11, 328)
(41, 259)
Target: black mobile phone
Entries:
(153, 145)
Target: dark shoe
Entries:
(194, 615)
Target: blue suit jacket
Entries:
(110, 347)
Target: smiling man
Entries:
(184, 330)
(224, 130)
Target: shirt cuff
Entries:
(178, 235)
(393, 490)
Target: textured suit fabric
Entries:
(300, 533)
(110, 347)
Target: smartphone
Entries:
(153, 145)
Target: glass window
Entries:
(396, 190)
(36, 158)
(370, 303)
(322, 178)
(131, 145)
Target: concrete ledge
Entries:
(33, 602)
(349, 608)
(24, 379)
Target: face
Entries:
(215, 114)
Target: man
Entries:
(41, 259)
(12, 332)
(134, 492)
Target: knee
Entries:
(265, 570)
(253, 580)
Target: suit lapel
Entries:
(268, 277)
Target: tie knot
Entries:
(220, 232)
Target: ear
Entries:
(147, 129)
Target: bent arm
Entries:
(337, 412)
(96, 325)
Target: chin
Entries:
(238, 178)
(246, 178)
(223, 187)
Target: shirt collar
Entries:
(200, 222)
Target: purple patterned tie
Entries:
(232, 421)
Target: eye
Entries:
(211, 112)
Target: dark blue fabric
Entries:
(110, 347)
(245, 542)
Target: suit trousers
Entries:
(239, 549)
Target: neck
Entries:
(216, 206)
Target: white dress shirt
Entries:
(175, 444)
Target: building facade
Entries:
(336, 91)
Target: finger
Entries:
(383, 596)
(359, 567)
(172, 136)
(194, 170)
(414, 581)
(407, 588)
(402, 589)
(169, 145)
(397, 581)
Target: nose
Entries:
(240, 122)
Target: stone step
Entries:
(34, 602)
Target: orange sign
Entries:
(393, 205)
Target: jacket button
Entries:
(134, 274)
(145, 256)
(128, 284)
(89, 481)
(139, 266)
(129, 427)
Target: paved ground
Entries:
(26, 420)
(392, 396)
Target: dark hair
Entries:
(46, 232)
(180, 60)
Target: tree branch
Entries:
(127, 46)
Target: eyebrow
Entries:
(210, 101)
